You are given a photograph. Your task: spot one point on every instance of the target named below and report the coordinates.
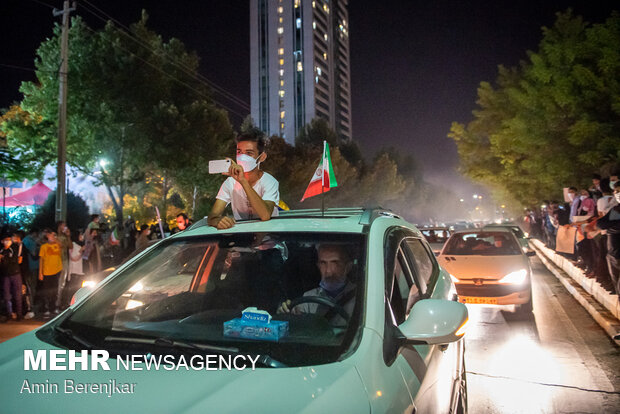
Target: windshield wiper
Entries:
(263, 359)
(69, 334)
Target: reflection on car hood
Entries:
(326, 388)
(484, 267)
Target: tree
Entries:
(135, 102)
(552, 121)
(77, 213)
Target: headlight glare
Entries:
(516, 278)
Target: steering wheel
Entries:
(321, 301)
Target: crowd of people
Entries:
(40, 273)
(41, 270)
(584, 228)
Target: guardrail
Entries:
(602, 305)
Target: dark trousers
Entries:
(12, 289)
(614, 271)
(584, 250)
(49, 292)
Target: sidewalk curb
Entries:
(599, 303)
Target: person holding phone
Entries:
(252, 193)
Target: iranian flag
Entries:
(323, 179)
(114, 238)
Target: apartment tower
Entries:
(299, 66)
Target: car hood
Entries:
(482, 267)
(326, 388)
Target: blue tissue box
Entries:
(248, 329)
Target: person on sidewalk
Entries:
(50, 267)
(611, 224)
(10, 273)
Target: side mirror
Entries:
(435, 321)
(530, 253)
(81, 294)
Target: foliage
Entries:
(78, 215)
(141, 109)
(552, 121)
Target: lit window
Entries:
(314, 4)
(344, 22)
(300, 67)
(325, 37)
(281, 93)
(281, 82)
(281, 62)
(314, 25)
(298, 22)
(318, 70)
(296, 3)
(325, 56)
(281, 51)
(281, 72)
(282, 126)
(280, 9)
(280, 20)
(280, 30)
(326, 8)
(282, 114)
(316, 79)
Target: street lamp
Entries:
(475, 195)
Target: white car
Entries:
(397, 348)
(489, 266)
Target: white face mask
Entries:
(612, 184)
(617, 197)
(248, 163)
(571, 196)
(583, 197)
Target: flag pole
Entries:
(323, 181)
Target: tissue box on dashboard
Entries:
(251, 326)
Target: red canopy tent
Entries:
(34, 196)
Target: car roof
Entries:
(333, 220)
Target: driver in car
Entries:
(334, 263)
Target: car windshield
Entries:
(436, 235)
(190, 290)
(515, 229)
(483, 243)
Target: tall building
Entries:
(300, 65)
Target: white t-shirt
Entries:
(75, 267)
(231, 192)
(605, 203)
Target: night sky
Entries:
(415, 65)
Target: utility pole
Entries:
(61, 189)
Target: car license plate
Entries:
(473, 299)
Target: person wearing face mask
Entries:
(335, 264)
(10, 273)
(613, 179)
(611, 224)
(252, 193)
(575, 201)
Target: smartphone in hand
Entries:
(219, 166)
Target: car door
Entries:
(428, 371)
(439, 389)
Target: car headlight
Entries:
(454, 279)
(516, 278)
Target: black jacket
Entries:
(613, 232)
(9, 265)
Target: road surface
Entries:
(557, 360)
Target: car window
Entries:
(435, 235)
(424, 264)
(191, 289)
(483, 243)
(403, 291)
